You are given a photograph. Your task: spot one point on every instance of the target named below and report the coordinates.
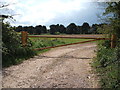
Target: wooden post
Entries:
(24, 38)
(113, 41)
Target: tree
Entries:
(62, 29)
(114, 8)
(71, 29)
(19, 29)
(31, 30)
(85, 28)
(108, 59)
(25, 28)
(79, 29)
(53, 29)
(44, 29)
(93, 29)
(38, 29)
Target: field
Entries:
(48, 42)
(42, 41)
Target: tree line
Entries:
(72, 28)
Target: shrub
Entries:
(12, 50)
(107, 65)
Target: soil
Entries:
(63, 67)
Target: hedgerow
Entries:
(12, 50)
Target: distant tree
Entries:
(58, 29)
(79, 29)
(31, 30)
(71, 28)
(25, 28)
(44, 29)
(53, 29)
(85, 28)
(19, 28)
(38, 29)
(94, 29)
(62, 29)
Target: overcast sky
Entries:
(47, 12)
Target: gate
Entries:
(25, 36)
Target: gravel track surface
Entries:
(63, 67)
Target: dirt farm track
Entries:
(63, 67)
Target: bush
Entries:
(12, 50)
(107, 65)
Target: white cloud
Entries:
(44, 11)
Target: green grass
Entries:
(67, 41)
(59, 39)
(47, 42)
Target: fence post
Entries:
(24, 38)
(113, 41)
